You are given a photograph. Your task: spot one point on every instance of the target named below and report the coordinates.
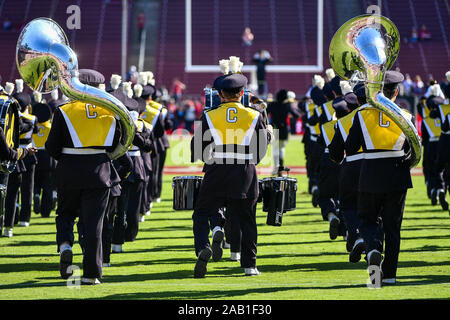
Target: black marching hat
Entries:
(130, 103)
(23, 98)
(42, 112)
(317, 96)
(340, 107)
(230, 81)
(91, 77)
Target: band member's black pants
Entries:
(153, 185)
(232, 230)
(90, 206)
(162, 159)
(26, 192)
(108, 228)
(389, 206)
(43, 183)
(208, 215)
(12, 191)
(132, 193)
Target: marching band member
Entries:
(430, 136)
(279, 110)
(15, 177)
(45, 164)
(239, 141)
(384, 179)
(163, 143)
(153, 117)
(329, 170)
(314, 148)
(7, 153)
(84, 176)
(132, 187)
(350, 165)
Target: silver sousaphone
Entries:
(46, 62)
(364, 48)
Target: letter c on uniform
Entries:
(229, 118)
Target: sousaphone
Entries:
(363, 49)
(46, 62)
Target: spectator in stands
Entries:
(179, 116)
(177, 89)
(424, 34)
(414, 36)
(261, 58)
(408, 84)
(247, 37)
(189, 116)
(7, 24)
(418, 86)
(133, 75)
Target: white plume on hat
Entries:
(55, 94)
(19, 85)
(330, 74)
(115, 81)
(37, 96)
(291, 95)
(143, 78)
(150, 79)
(319, 81)
(224, 65)
(126, 88)
(137, 90)
(345, 87)
(436, 90)
(235, 64)
(102, 86)
(9, 88)
(447, 74)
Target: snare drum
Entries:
(290, 194)
(274, 189)
(185, 191)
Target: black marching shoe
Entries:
(202, 261)
(334, 226)
(217, 241)
(315, 196)
(36, 204)
(358, 248)
(65, 261)
(442, 201)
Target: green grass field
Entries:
(297, 260)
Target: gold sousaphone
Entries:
(46, 62)
(363, 49)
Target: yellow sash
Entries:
(379, 131)
(327, 131)
(41, 136)
(150, 115)
(27, 134)
(433, 127)
(329, 110)
(232, 123)
(8, 131)
(89, 125)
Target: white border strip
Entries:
(271, 68)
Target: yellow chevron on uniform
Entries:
(89, 125)
(239, 130)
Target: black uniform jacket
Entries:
(235, 181)
(379, 175)
(279, 112)
(144, 142)
(79, 171)
(6, 153)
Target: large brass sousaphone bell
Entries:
(363, 49)
(45, 62)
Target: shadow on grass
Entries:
(33, 284)
(202, 295)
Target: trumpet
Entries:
(363, 49)
(46, 62)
